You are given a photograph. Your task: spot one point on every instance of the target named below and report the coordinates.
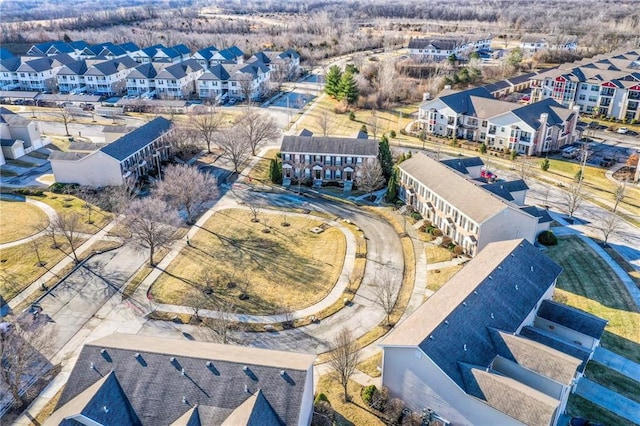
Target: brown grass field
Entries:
(16, 220)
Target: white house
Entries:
(142, 79)
(326, 159)
(128, 158)
(109, 77)
(178, 80)
(462, 209)
(127, 379)
(213, 83)
(474, 114)
(18, 136)
(442, 48)
(491, 347)
(39, 74)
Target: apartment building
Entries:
(178, 80)
(475, 115)
(456, 203)
(607, 85)
(109, 77)
(441, 48)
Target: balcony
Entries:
(492, 130)
(607, 91)
(634, 95)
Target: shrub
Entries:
(352, 116)
(368, 392)
(446, 241)
(392, 134)
(545, 164)
(547, 238)
(458, 250)
(32, 192)
(436, 232)
(416, 216)
(363, 128)
(320, 397)
(394, 410)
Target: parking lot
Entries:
(293, 100)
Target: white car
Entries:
(623, 130)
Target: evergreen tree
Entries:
(392, 187)
(275, 171)
(348, 88)
(545, 164)
(332, 81)
(483, 148)
(385, 158)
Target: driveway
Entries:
(612, 401)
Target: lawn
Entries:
(260, 171)
(287, 269)
(437, 254)
(589, 284)
(19, 265)
(370, 365)
(613, 380)
(63, 203)
(341, 125)
(580, 407)
(352, 413)
(17, 218)
(438, 277)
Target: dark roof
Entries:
(74, 68)
(505, 188)
(134, 141)
(362, 135)
(216, 72)
(530, 114)
(441, 44)
(572, 318)
(461, 103)
(4, 53)
(179, 70)
(162, 379)
(67, 156)
(521, 78)
(181, 49)
(329, 145)
(498, 190)
(146, 70)
(10, 63)
(207, 52)
(129, 46)
(542, 215)
(461, 163)
(497, 289)
(112, 66)
(306, 132)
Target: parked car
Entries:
(623, 130)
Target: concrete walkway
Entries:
(621, 273)
(618, 363)
(47, 209)
(612, 401)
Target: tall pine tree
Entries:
(348, 88)
(392, 188)
(333, 81)
(385, 157)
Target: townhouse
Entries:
(475, 115)
(326, 160)
(9, 72)
(70, 78)
(439, 49)
(128, 158)
(53, 48)
(109, 77)
(39, 74)
(607, 85)
(141, 81)
(178, 80)
(532, 43)
(213, 83)
(18, 136)
(248, 81)
(161, 53)
(451, 195)
(491, 347)
(191, 383)
(283, 66)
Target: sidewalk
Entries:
(53, 272)
(618, 363)
(47, 209)
(612, 401)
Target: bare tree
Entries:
(36, 249)
(574, 196)
(386, 291)
(21, 358)
(116, 198)
(196, 301)
(245, 82)
(206, 124)
(325, 122)
(222, 324)
(374, 123)
(47, 227)
(184, 187)
(66, 117)
(344, 358)
(257, 128)
(619, 194)
(68, 224)
(523, 168)
(235, 147)
(254, 209)
(370, 176)
(152, 224)
(608, 226)
(88, 196)
(184, 141)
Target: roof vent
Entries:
(475, 292)
(446, 322)
(464, 303)
(105, 409)
(283, 373)
(137, 355)
(431, 337)
(103, 351)
(521, 245)
(500, 268)
(172, 359)
(490, 277)
(208, 363)
(465, 346)
(513, 255)
(532, 269)
(182, 371)
(92, 366)
(492, 317)
(184, 399)
(245, 368)
(516, 286)
(246, 388)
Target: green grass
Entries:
(613, 380)
(21, 163)
(580, 407)
(39, 155)
(7, 173)
(589, 284)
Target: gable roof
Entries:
(461, 102)
(473, 201)
(179, 70)
(440, 44)
(461, 164)
(134, 141)
(12, 119)
(255, 411)
(216, 72)
(573, 318)
(542, 214)
(164, 378)
(329, 145)
(112, 66)
(4, 54)
(497, 289)
(146, 70)
(190, 418)
(530, 114)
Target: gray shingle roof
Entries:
(12, 119)
(168, 372)
(461, 103)
(530, 114)
(460, 164)
(573, 318)
(112, 66)
(542, 215)
(441, 44)
(496, 289)
(134, 141)
(554, 342)
(473, 201)
(179, 70)
(329, 145)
